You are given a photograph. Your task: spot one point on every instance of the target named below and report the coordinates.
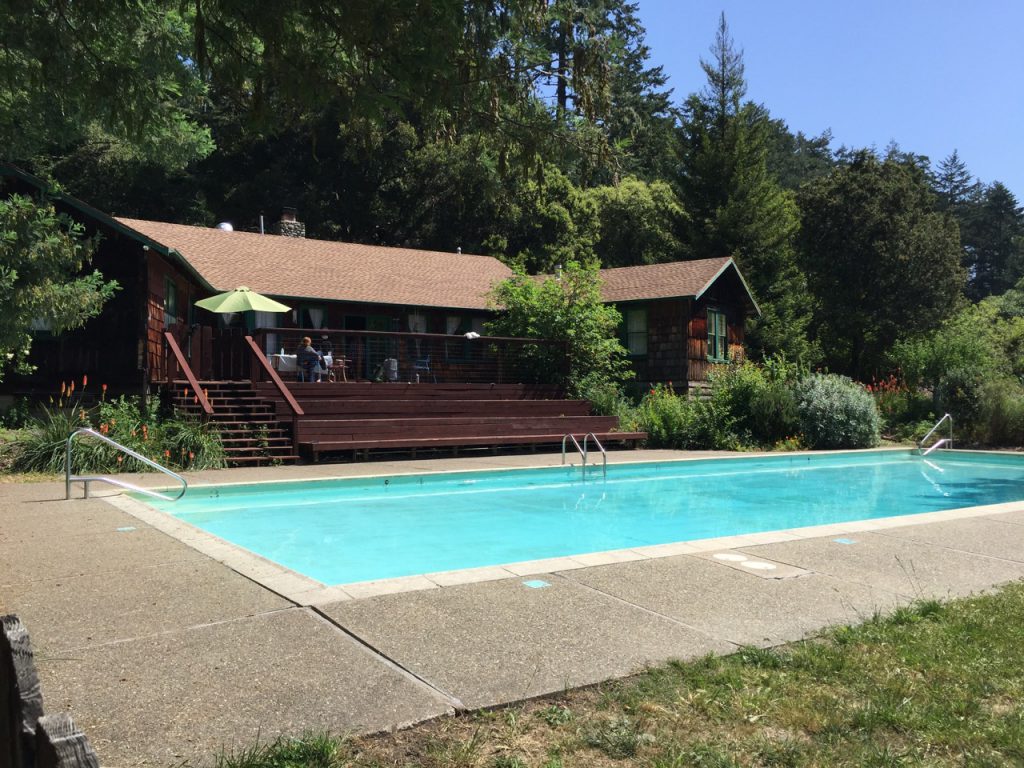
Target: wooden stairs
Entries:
(250, 430)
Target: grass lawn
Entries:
(931, 685)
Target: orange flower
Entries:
(63, 387)
(191, 456)
(103, 387)
(167, 454)
(71, 388)
(120, 459)
(85, 381)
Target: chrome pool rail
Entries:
(604, 453)
(570, 436)
(945, 441)
(86, 479)
(583, 450)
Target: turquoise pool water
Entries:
(342, 531)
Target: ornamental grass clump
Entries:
(836, 412)
(130, 421)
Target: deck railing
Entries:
(424, 357)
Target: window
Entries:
(313, 317)
(417, 322)
(170, 302)
(718, 338)
(636, 332)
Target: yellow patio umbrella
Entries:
(241, 300)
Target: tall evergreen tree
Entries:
(954, 184)
(883, 264)
(996, 242)
(736, 207)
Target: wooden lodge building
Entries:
(413, 364)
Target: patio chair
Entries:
(422, 366)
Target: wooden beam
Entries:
(189, 375)
(59, 744)
(274, 378)
(21, 700)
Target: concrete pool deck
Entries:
(163, 653)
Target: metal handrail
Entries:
(944, 441)
(604, 453)
(579, 448)
(86, 479)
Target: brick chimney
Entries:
(289, 225)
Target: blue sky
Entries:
(933, 76)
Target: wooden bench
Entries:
(316, 447)
(393, 408)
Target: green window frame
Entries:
(718, 336)
(635, 336)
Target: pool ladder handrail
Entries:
(86, 479)
(947, 441)
(583, 451)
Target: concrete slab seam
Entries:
(444, 696)
(643, 609)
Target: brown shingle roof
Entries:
(675, 279)
(335, 271)
(320, 269)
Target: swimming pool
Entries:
(360, 529)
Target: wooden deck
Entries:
(365, 416)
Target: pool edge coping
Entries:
(305, 591)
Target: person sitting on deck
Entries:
(326, 347)
(308, 361)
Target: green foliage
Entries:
(638, 223)
(674, 421)
(992, 230)
(41, 256)
(174, 443)
(973, 366)
(882, 264)
(903, 409)
(618, 738)
(583, 349)
(607, 399)
(667, 418)
(761, 399)
(749, 406)
(17, 415)
(116, 75)
(310, 751)
(836, 412)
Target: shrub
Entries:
(835, 412)
(759, 399)
(674, 421)
(16, 415)
(666, 418)
(175, 443)
(608, 399)
(999, 417)
(568, 311)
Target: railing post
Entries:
(59, 744)
(21, 700)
